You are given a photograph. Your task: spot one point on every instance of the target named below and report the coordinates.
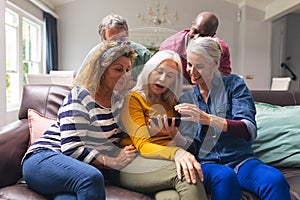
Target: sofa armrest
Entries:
(14, 139)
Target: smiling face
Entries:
(162, 77)
(200, 69)
(117, 75)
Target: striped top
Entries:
(83, 128)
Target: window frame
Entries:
(24, 16)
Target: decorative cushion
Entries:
(38, 124)
(278, 135)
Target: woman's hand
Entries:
(198, 116)
(187, 163)
(162, 126)
(193, 113)
(125, 156)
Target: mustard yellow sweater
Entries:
(135, 115)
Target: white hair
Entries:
(208, 47)
(143, 79)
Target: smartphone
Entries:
(177, 121)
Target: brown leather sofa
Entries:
(46, 99)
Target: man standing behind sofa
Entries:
(205, 24)
(115, 27)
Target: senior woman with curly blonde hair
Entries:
(66, 162)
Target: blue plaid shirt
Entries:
(229, 98)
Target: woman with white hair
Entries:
(220, 122)
(164, 167)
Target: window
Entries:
(24, 51)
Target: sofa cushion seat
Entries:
(292, 175)
(21, 191)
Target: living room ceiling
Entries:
(272, 8)
(258, 3)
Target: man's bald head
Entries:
(205, 24)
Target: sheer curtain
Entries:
(51, 42)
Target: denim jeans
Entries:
(266, 182)
(63, 177)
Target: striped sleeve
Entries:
(74, 122)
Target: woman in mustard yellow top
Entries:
(164, 168)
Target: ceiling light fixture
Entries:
(157, 15)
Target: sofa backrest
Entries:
(281, 98)
(45, 99)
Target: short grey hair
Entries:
(208, 47)
(111, 21)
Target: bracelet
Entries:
(103, 159)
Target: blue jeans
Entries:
(52, 173)
(265, 181)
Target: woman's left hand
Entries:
(187, 163)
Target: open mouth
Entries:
(159, 86)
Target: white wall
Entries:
(248, 40)
(29, 7)
(254, 46)
(78, 22)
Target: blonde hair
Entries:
(172, 94)
(99, 60)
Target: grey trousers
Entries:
(158, 178)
